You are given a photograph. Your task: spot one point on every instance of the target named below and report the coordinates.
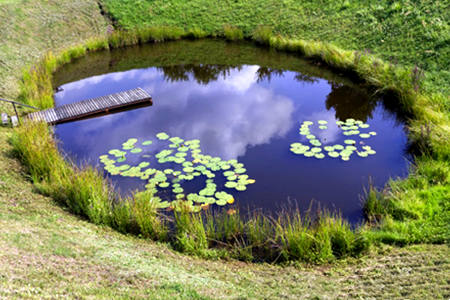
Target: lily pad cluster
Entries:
(186, 162)
(349, 127)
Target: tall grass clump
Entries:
(84, 191)
(149, 220)
(301, 241)
(122, 38)
(262, 35)
(195, 33)
(96, 44)
(159, 34)
(327, 238)
(233, 33)
(190, 234)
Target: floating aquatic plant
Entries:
(189, 164)
(349, 127)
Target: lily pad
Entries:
(333, 154)
(162, 136)
(319, 155)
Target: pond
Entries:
(234, 123)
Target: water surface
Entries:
(244, 103)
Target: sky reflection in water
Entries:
(242, 114)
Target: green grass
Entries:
(402, 32)
(400, 221)
(399, 47)
(47, 252)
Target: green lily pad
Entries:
(178, 190)
(221, 202)
(144, 164)
(319, 155)
(350, 142)
(364, 135)
(146, 143)
(230, 184)
(162, 136)
(316, 143)
(362, 154)
(163, 184)
(333, 154)
(241, 187)
(309, 154)
(323, 127)
(322, 122)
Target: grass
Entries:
(402, 32)
(43, 245)
(46, 251)
(409, 216)
(400, 220)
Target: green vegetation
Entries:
(47, 252)
(402, 32)
(349, 127)
(187, 154)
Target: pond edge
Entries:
(391, 218)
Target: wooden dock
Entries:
(93, 107)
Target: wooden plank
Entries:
(81, 109)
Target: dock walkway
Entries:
(89, 108)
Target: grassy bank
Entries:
(46, 251)
(403, 32)
(405, 216)
(411, 38)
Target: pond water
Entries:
(242, 103)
